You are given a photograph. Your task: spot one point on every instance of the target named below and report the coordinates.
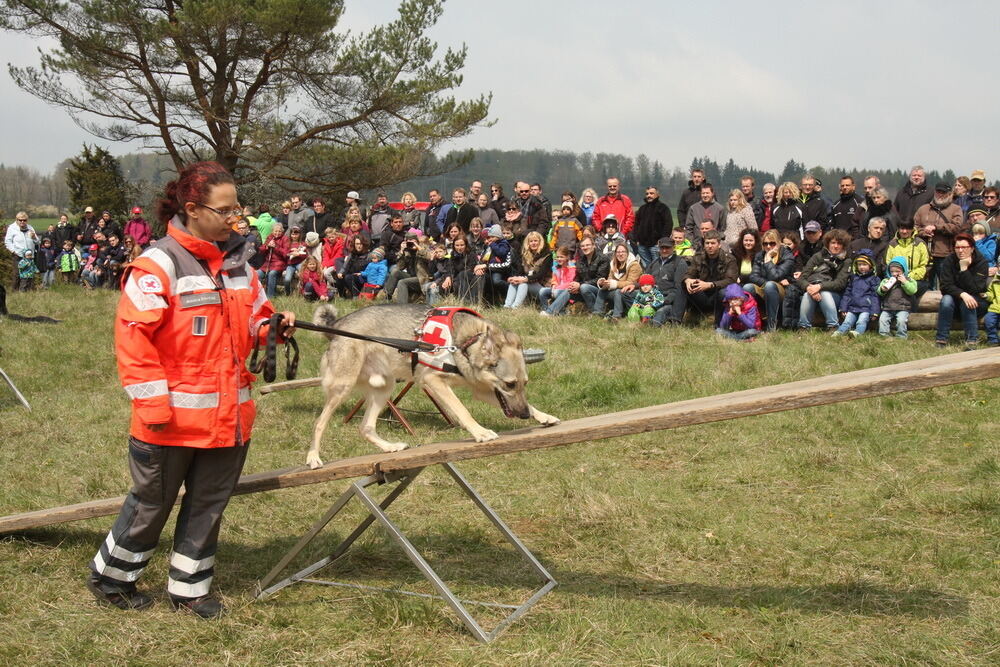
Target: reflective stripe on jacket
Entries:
(182, 338)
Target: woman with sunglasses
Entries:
(771, 272)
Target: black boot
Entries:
(206, 606)
(124, 596)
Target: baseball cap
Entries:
(353, 194)
(942, 187)
(813, 226)
(978, 175)
(665, 242)
(136, 210)
(610, 217)
(89, 209)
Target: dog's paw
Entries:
(313, 461)
(392, 446)
(484, 435)
(547, 420)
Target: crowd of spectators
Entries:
(757, 263)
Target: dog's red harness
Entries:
(437, 330)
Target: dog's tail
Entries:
(325, 316)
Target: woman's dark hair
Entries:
(794, 236)
(364, 243)
(741, 253)
(264, 208)
(963, 236)
(192, 184)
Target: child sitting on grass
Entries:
(860, 300)
(740, 318)
(647, 300)
(896, 292)
(312, 284)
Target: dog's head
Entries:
(496, 365)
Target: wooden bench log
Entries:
(880, 381)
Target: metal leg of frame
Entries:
(376, 512)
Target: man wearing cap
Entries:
(652, 222)
(849, 211)
(705, 209)
(301, 216)
(614, 202)
(937, 222)
(814, 206)
(978, 180)
(20, 240)
(812, 242)
(669, 270)
(138, 228)
(913, 195)
(353, 199)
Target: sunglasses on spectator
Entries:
(989, 196)
(768, 244)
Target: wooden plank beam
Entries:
(880, 381)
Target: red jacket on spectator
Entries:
(621, 206)
(276, 258)
(139, 230)
(332, 251)
(313, 278)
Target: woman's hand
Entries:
(286, 329)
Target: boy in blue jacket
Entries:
(860, 301)
(373, 276)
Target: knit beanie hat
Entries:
(646, 279)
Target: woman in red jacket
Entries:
(275, 250)
(190, 311)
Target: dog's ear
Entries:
(490, 345)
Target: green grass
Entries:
(864, 532)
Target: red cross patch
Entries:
(150, 284)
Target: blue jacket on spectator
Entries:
(861, 294)
(987, 247)
(375, 273)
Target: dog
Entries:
(486, 359)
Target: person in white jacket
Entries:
(20, 238)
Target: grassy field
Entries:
(858, 533)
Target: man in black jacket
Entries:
(669, 271)
(690, 196)
(591, 265)
(849, 210)
(322, 219)
(461, 211)
(652, 222)
(814, 207)
(913, 195)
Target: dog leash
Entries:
(268, 365)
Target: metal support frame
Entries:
(16, 391)
(377, 512)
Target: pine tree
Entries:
(94, 178)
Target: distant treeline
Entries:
(557, 171)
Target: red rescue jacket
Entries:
(187, 320)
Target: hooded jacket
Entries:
(749, 317)
(814, 207)
(788, 216)
(915, 251)
(895, 293)
(861, 293)
(621, 207)
(987, 246)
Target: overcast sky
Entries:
(878, 84)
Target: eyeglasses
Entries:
(235, 213)
(769, 244)
(523, 192)
(989, 196)
(963, 247)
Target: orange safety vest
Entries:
(187, 319)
